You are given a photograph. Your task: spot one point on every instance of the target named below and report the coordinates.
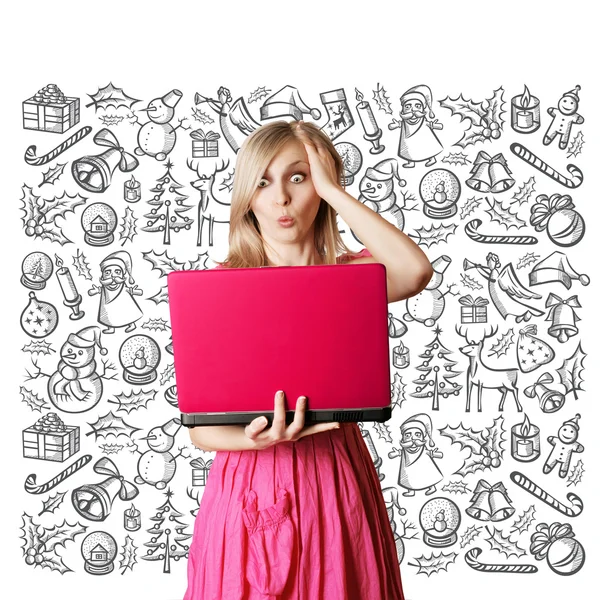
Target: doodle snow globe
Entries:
(440, 190)
(99, 550)
(99, 222)
(439, 518)
(139, 356)
(37, 268)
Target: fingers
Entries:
(278, 426)
(254, 428)
(318, 428)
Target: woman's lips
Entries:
(286, 222)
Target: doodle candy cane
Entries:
(531, 159)
(535, 490)
(32, 159)
(42, 489)
(471, 230)
(471, 560)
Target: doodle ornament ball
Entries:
(139, 356)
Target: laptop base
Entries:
(310, 417)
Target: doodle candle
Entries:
(401, 356)
(132, 190)
(367, 119)
(71, 296)
(132, 518)
(525, 441)
(525, 112)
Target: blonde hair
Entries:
(246, 245)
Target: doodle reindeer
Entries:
(483, 376)
(218, 211)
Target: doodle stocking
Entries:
(340, 118)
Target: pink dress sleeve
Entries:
(344, 258)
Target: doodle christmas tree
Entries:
(165, 216)
(436, 372)
(164, 544)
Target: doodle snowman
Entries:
(157, 137)
(76, 386)
(428, 305)
(157, 465)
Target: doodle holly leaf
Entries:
(495, 435)
(128, 224)
(110, 120)
(456, 487)
(111, 448)
(398, 392)
(570, 371)
(465, 437)
(503, 215)
(528, 259)
(258, 94)
(383, 431)
(433, 563)
(59, 206)
(80, 263)
(52, 232)
(133, 401)
(456, 158)
(60, 534)
(111, 96)
(161, 296)
(471, 136)
(576, 474)
(495, 108)
(163, 263)
(503, 544)
(38, 347)
(32, 399)
(30, 535)
(129, 555)
(157, 324)
(469, 206)
(503, 344)
(464, 108)
(471, 465)
(110, 424)
(53, 174)
(202, 117)
(52, 503)
(199, 263)
(523, 523)
(576, 145)
(382, 101)
(469, 535)
(469, 282)
(525, 191)
(167, 374)
(434, 234)
(31, 205)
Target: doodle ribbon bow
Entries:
(490, 174)
(550, 400)
(94, 501)
(563, 316)
(490, 502)
(545, 536)
(94, 172)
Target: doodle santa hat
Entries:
(384, 171)
(119, 258)
(86, 338)
(287, 103)
(573, 422)
(419, 92)
(574, 93)
(556, 267)
(422, 421)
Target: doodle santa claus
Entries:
(418, 470)
(118, 306)
(418, 141)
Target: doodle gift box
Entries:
(50, 110)
(50, 439)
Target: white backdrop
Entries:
(149, 48)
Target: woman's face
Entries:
(286, 188)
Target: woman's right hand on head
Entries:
(264, 438)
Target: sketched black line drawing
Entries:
(37, 268)
(537, 163)
(33, 488)
(490, 174)
(38, 318)
(525, 112)
(369, 124)
(32, 159)
(472, 555)
(535, 490)
(557, 544)
(563, 447)
(50, 110)
(564, 116)
(556, 215)
(472, 227)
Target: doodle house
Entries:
(99, 225)
(50, 110)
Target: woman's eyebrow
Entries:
(297, 162)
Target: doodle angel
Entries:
(118, 306)
(75, 386)
(418, 469)
(504, 288)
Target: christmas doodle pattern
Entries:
(143, 189)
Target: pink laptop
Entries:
(321, 331)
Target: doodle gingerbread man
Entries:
(564, 446)
(563, 118)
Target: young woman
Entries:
(297, 513)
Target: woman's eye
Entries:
(299, 175)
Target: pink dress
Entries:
(302, 520)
